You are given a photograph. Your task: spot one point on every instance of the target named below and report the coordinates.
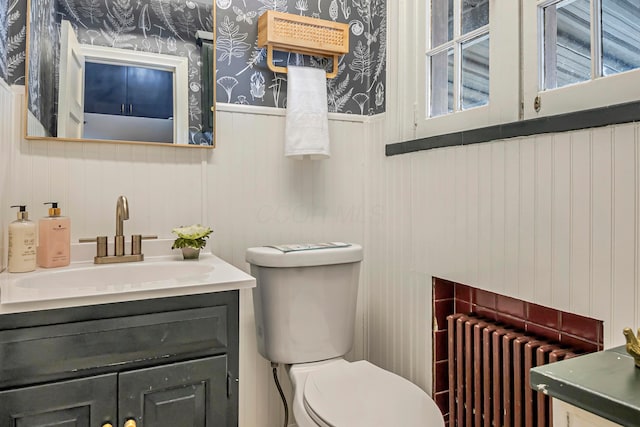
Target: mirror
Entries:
(123, 71)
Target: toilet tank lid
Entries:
(304, 255)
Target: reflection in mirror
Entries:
(121, 70)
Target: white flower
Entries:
(193, 232)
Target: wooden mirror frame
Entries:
(113, 141)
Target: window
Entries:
(490, 62)
(458, 56)
(586, 55)
(468, 65)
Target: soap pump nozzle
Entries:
(54, 210)
(23, 215)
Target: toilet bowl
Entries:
(305, 304)
(337, 393)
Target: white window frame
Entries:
(594, 93)
(504, 80)
(515, 81)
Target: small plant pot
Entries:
(190, 253)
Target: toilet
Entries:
(305, 307)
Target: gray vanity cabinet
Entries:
(165, 362)
(81, 402)
(181, 394)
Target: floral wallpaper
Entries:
(242, 73)
(13, 32)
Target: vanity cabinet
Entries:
(164, 362)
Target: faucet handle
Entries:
(136, 243)
(101, 246)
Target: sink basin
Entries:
(84, 283)
(116, 275)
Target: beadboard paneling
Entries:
(257, 197)
(7, 135)
(551, 219)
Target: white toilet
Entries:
(305, 306)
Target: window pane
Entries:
(475, 73)
(441, 22)
(441, 91)
(475, 14)
(567, 43)
(620, 36)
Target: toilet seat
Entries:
(360, 394)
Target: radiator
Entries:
(489, 374)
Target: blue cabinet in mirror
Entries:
(121, 71)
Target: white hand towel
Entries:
(307, 123)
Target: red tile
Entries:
(511, 306)
(442, 400)
(462, 306)
(513, 322)
(441, 346)
(485, 312)
(463, 293)
(441, 377)
(443, 289)
(442, 309)
(484, 298)
(580, 326)
(577, 343)
(542, 332)
(601, 334)
(543, 316)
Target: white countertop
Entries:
(162, 274)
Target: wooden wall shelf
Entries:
(301, 34)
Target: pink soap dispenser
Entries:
(54, 236)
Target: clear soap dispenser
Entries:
(54, 235)
(22, 243)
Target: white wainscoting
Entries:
(551, 219)
(8, 121)
(258, 197)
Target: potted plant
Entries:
(191, 239)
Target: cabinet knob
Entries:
(130, 423)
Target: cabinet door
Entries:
(186, 394)
(105, 89)
(82, 402)
(149, 93)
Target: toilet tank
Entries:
(305, 302)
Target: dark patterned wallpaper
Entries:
(157, 26)
(13, 32)
(43, 63)
(243, 76)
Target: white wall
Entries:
(551, 219)
(9, 131)
(258, 197)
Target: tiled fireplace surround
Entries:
(569, 329)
